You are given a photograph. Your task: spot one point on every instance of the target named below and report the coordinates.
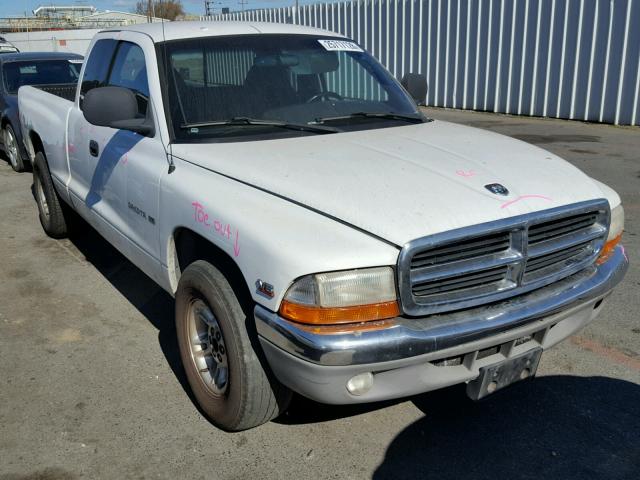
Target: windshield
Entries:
(292, 79)
(40, 72)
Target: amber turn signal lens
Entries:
(608, 249)
(336, 315)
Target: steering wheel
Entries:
(327, 95)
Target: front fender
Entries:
(270, 239)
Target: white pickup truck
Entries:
(319, 234)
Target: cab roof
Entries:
(30, 56)
(180, 30)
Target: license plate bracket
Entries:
(499, 375)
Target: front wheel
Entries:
(230, 383)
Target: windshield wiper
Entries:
(383, 115)
(244, 121)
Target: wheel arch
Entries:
(34, 145)
(186, 246)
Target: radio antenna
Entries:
(172, 165)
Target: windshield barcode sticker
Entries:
(340, 46)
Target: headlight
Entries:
(615, 234)
(342, 297)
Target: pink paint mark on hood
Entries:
(522, 197)
(466, 173)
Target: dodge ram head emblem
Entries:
(497, 189)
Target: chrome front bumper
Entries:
(416, 336)
(407, 358)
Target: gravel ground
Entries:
(91, 386)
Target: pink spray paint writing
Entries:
(223, 229)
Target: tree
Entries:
(169, 9)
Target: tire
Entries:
(11, 148)
(50, 206)
(213, 337)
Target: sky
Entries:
(19, 7)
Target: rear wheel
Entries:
(11, 148)
(50, 206)
(231, 384)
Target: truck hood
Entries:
(402, 183)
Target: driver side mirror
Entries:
(416, 85)
(115, 107)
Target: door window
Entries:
(97, 68)
(129, 71)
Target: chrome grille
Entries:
(496, 260)
(546, 264)
(462, 282)
(563, 226)
(474, 247)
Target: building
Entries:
(97, 19)
(64, 11)
(71, 17)
(64, 28)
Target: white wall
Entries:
(72, 41)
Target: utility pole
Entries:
(210, 7)
(243, 3)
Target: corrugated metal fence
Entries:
(576, 59)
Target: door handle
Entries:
(94, 149)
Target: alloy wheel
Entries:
(208, 350)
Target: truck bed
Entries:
(44, 111)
